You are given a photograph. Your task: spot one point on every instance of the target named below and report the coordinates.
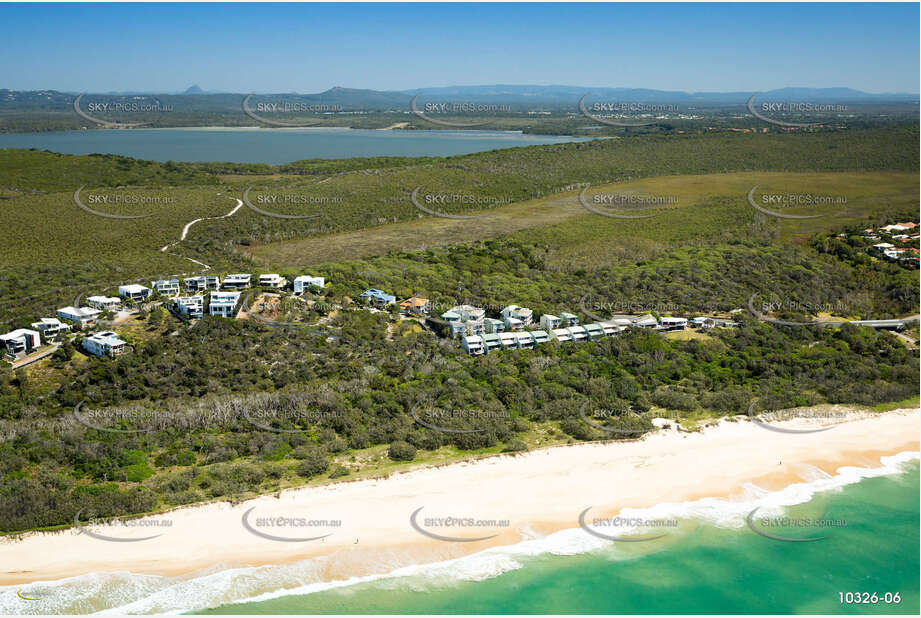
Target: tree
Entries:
(401, 451)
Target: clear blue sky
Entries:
(312, 47)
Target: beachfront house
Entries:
(105, 343)
(304, 282)
(50, 328)
(513, 323)
(509, 341)
(701, 322)
(272, 280)
(81, 316)
(670, 323)
(416, 305)
(473, 344)
(20, 342)
(570, 319)
(166, 287)
(645, 321)
(578, 333)
(491, 342)
(610, 328)
(104, 303)
(378, 298)
(134, 291)
(549, 322)
(191, 306)
(493, 325)
(223, 304)
(200, 284)
(540, 336)
(237, 281)
(525, 340)
(594, 331)
(522, 314)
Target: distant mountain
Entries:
(193, 90)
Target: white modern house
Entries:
(166, 287)
(465, 318)
(105, 343)
(272, 280)
(549, 322)
(702, 322)
(494, 326)
(306, 281)
(561, 334)
(513, 323)
(104, 303)
(509, 341)
(670, 323)
(578, 333)
(473, 344)
(492, 342)
(20, 342)
(571, 319)
(610, 328)
(83, 316)
(540, 336)
(594, 330)
(200, 284)
(223, 304)
(134, 291)
(237, 281)
(514, 312)
(644, 321)
(191, 306)
(50, 328)
(526, 340)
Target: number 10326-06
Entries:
(872, 598)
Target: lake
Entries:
(274, 146)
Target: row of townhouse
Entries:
(476, 345)
(219, 303)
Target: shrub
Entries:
(401, 451)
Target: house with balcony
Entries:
(305, 282)
(465, 319)
(540, 336)
(494, 326)
(701, 322)
(134, 291)
(670, 323)
(166, 287)
(81, 316)
(570, 319)
(223, 304)
(237, 281)
(378, 298)
(594, 331)
(549, 322)
(561, 334)
(104, 303)
(645, 321)
(20, 343)
(50, 328)
(473, 344)
(525, 340)
(203, 283)
(524, 315)
(578, 333)
(610, 328)
(416, 306)
(105, 343)
(272, 280)
(491, 342)
(192, 307)
(509, 340)
(513, 323)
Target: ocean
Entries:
(712, 563)
(273, 146)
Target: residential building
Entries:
(522, 314)
(191, 306)
(475, 327)
(465, 318)
(670, 323)
(417, 305)
(304, 282)
(570, 318)
(491, 342)
(578, 333)
(525, 340)
(645, 321)
(200, 284)
(540, 336)
(469, 312)
(509, 340)
(105, 343)
(378, 298)
(610, 328)
(473, 344)
(104, 303)
(561, 334)
(549, 322)
(273, 280)
(50, 328)
(237, 281)
(594, 331)
(20, 342)
(493, 325)
(166, 287)
(702, 322)
(83, 316)
(883, 246)
(223, 304)
(134, 291)
(513, 323)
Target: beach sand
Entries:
(539, 492)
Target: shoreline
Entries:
(540, 492)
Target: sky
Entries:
(306, 48)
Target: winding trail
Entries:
(185, 232)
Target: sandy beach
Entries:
(366, 525)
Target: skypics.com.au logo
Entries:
(137, 105)
(795, 114)
(625, 114)
(286, 112)
(438, 112)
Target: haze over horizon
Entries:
(288, 48)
